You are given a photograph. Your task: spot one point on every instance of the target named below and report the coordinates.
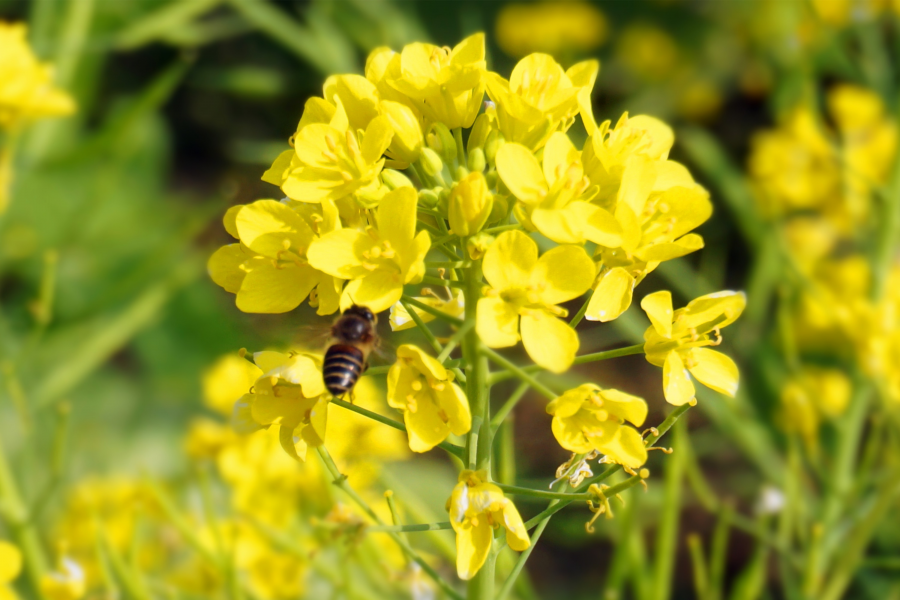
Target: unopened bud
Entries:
(469, 205)
(478, 244)
(431, 162)
(477, 161)
(428, 198)
(395, 179)
(491, 145)
(407, 141)
(440, 139)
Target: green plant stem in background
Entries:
(667, 531)
(579, 360)
(518, 372)
(340, 480)
(431, 310)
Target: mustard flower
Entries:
(10, 567)
(540, 98)
(291, 396)
(433, 406)
(470, 205)
(678, 342)
(589, 418)
(444, 85)
(811, 396)
(66, 583)
(551, 27)
(26, 84)
(380, 260)
(551, 200)
(269, 269)
(477, 507)
(527, 289)
(331, 159)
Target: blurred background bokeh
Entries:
(784, 110)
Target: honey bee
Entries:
(353, 337)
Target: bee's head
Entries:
(361, 311)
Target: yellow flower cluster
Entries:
(382, 176)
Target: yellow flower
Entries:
(526, 288)
(291, 396)
(540, 98)
(677, 342)
(648, 51)
(476, 508)
(380, 260)
(447, 86)
(470, 205)
(10, 567)
(229, 378)
(269, 269)
(811, 395)
(589, 418)
(551, 27)
(453, 306)
(331, 159)
(552, 200)
(26, 86)
(67, 583)
(433, 406)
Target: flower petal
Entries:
(456, 406)
(549, 341)
(625, 406)
(516, 534)
(339, 253)
(270, 227)
(473, 543)
(677, 385)
(626, 448)
(425, 427)
(270, 290)
(509, 260)
(658, 307)
(497, 322)
(715, 370)
(224, 266)
(378, 291)
(612, 296)
(520, 171)
(563, 273)
(10, 562)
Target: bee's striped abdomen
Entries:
(342, 368)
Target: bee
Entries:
(353, 337)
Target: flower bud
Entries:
(406, 144)
(478, 244)
(395, 179)
(477, 161)
(469, 205)
(431, 162)
(428, 198)
(480, 130)
(440, 139)
(491, 145)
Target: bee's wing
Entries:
(312, 337)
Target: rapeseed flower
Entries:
(10, 567)
(67, 582)
(678, 342)
(381, 259)
(26, 85)
(454, 306)
(540, 98)
(810, 397)
(589, 418)
(478, 507)
(523, 296)
(432, 405)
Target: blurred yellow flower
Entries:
(677, 342)
(432, 405)
(380, 260)
(229, 378)
(589, 418)
(26, 86)
(551, 27)
(10, 567)
(527, 289)
(540, 98)
(66, 583)
(810, 396)
(648, 51)
(477, 508)
(291, 396)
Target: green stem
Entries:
(667, 532)
(442, 282)
(453, 449)
(515, 397)
(520, 491)
(519, 372)
(382, 370)
(501, 228)
(420, 324)
(340, 480)
(579, 360)
(409, 528)
(431, 310)
(453, 342)
(460, 149)
(580, 314)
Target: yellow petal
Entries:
(357, 95)
(293, 444)
(314, 433)
(268, 359)
(339, 253)
(329, 293)
(612, 296)
(278, 171)
(661, 135)
(10, 562)
(569, 434)
(224, 266)
(602, 228)
(509, 260)
(667, 251)
(677, 385)
(637, 182)
(267, 289)
(718, 309)
(670, 174)
(715, 370)
(516, 534)
(378, 291)
(456, 406)
(658, 307)
(376, 139)
(422, 362)
(520, 171)
(563, 273)
(626, 448)
(559, 153)
(424, 426)
(472, 547)
(396, 217)
(625, 406)
(230, 220)
(497, 322)
(549, 341)
(570, 402)
(269, 228)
